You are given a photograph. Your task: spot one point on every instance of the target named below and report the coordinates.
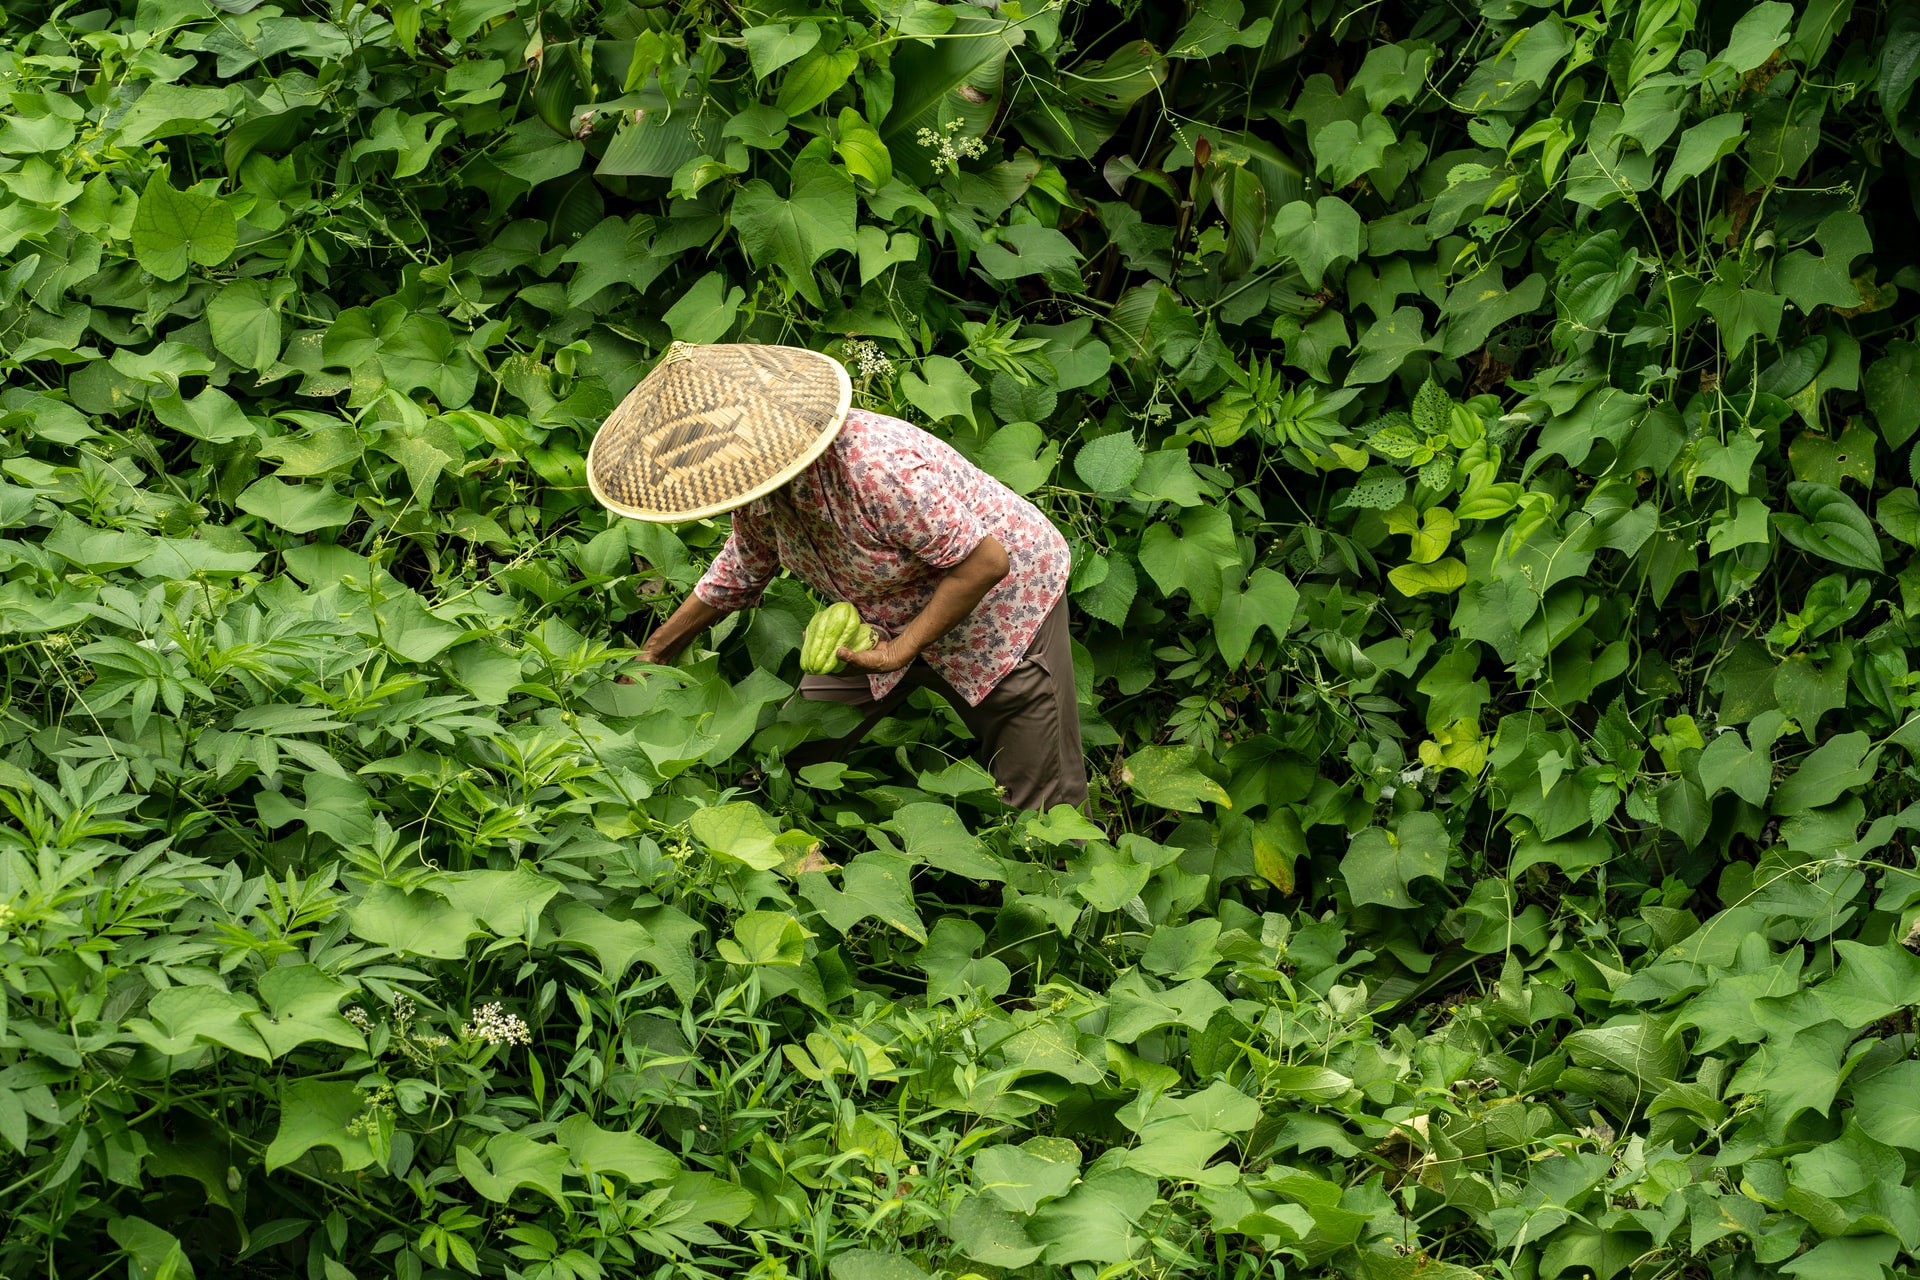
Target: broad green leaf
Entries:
(1099, 1221)
(1316, 236)
(1022, 1177)
(986, 1232)
(792, 232)
(1019, 455)
(873, 1264)
(319, 1113)
(1027, 249)
(1109, 464)
(1111, 597)
(1682, 808)
(765, 938)
(1830, 525)
(1702, 147)
(739, 832)
(151, 1250)
(212, 416)
(874, 886)
(1172, 778)
(706, 311)
(1215, 27)
(815, 77)
(420, 922)
(1380, 865)
(860, 149)
(1892, 386)
(1316, 1084)
(1883, 1105)
(934, 835)
(1385, 346)
(175, 229)
(503, 901)
(1187, 552)
(1114, 879)
(1728, 764)
(940, 388)
(1872, 983)
(1278, 845)
(180, 1019)
(1381, 1266)
(1824, 460)
(1183, 952)
(1345, 151)
(596, 1152)
(1898, 513)
(514, 1162)
(1640, 1048)
(1826, 279)
(615, 943)
(1760, 30)
(880, 249)
(1742, 313)
(953, 967)
(1442, 577)
(245, 321)
(303, 1007)
(1269, 601)
(773, 46)
(297, 508)
(1836, 767)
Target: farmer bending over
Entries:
(963, 580)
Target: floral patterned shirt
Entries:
(877, 521)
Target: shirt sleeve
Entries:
(922, 505)
(744, 567)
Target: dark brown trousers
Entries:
(1027, 729)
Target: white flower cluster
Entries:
(491, 1025)
(869, 360)
(358, 1017)
(949, 151)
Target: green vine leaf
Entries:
(175, 229)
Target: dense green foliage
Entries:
(1483, 431)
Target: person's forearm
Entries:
(692, 617)
(956, 596)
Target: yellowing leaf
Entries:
(1443, 577)
(1431, 532)
(1456, 746)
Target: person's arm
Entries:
(732, 582)
(954, 597)
(692, 617)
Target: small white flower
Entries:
(869, 360)
(358, 1017)
(949, 151)
(492, 1025)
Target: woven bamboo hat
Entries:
(713, 427)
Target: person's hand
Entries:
(886, 655)
(646, 657)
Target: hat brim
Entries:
(836, 390)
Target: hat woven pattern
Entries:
(713, 427)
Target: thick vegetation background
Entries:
(1484, 431)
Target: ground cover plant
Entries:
(1486, 433)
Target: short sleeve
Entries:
(744, 567)
(924, 505)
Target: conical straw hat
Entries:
(714, 427)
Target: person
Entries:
(963, 580)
